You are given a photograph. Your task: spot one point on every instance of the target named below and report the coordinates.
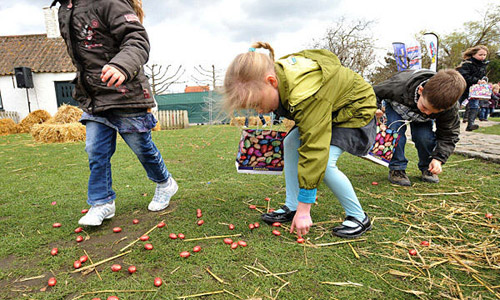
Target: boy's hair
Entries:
(245, 77)
(137, 6)
(470, 52)
(444, 89)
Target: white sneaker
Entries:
(97, 214)
(163, 193)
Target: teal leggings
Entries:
(334, 178)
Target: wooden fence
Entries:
(172, 119)
(10, 115)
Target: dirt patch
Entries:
(100, 243)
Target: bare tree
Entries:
(486, 32)
(351, 42)
(211, 77)
(161, 79)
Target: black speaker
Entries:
(24, 77)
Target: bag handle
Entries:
(405, 122)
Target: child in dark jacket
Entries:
(421, 98)
(473, 69)
(109, 46)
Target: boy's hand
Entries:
(435, 167)
(302, 220)
(379, 113)
(113, 75)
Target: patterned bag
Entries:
(260, 152)
(385, 141)
(480, 91)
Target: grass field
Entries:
(495, 129)
(461, 262)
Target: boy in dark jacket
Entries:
(420, 98)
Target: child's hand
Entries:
(481, 81)
(302, 220)
(379, 113)
(113, 75)
(435, 167)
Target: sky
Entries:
(206, 33)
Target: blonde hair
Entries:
(470, 52)
(245, 77)
(495, 88)
(137, 6)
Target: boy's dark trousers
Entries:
(422, 135)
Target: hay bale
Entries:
(288, 124)
(252, 121)
(7, 126)
(66, 114)
(35, 117)
(58, 133)
(157, 127)
(237, 121)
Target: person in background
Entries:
(473, 69)
(109, 46)
(487, 106)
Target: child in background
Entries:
(422, 97)
(473, 69)
(487, 106)
(109, 46)
(333, 109)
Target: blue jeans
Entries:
(483, 113)
(473, 103)
(100, 147)
(338, 183)
(421, 134)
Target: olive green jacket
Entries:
(339, 98)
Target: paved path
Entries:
(479, 145)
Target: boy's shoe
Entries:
(97, 214)
(163, 193)
(265, 125)
(427, 176)
(399, 177)
(471, 127)
(353, 232)
(287, 216)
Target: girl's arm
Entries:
(129, 35)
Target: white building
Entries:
(51, 66)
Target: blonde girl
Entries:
(333, 109)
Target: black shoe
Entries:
(353, 232)
(287, 216)
(399, 177)
(472, 127)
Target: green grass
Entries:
(202, 161)
(495, 129)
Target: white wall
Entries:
(42, 96)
